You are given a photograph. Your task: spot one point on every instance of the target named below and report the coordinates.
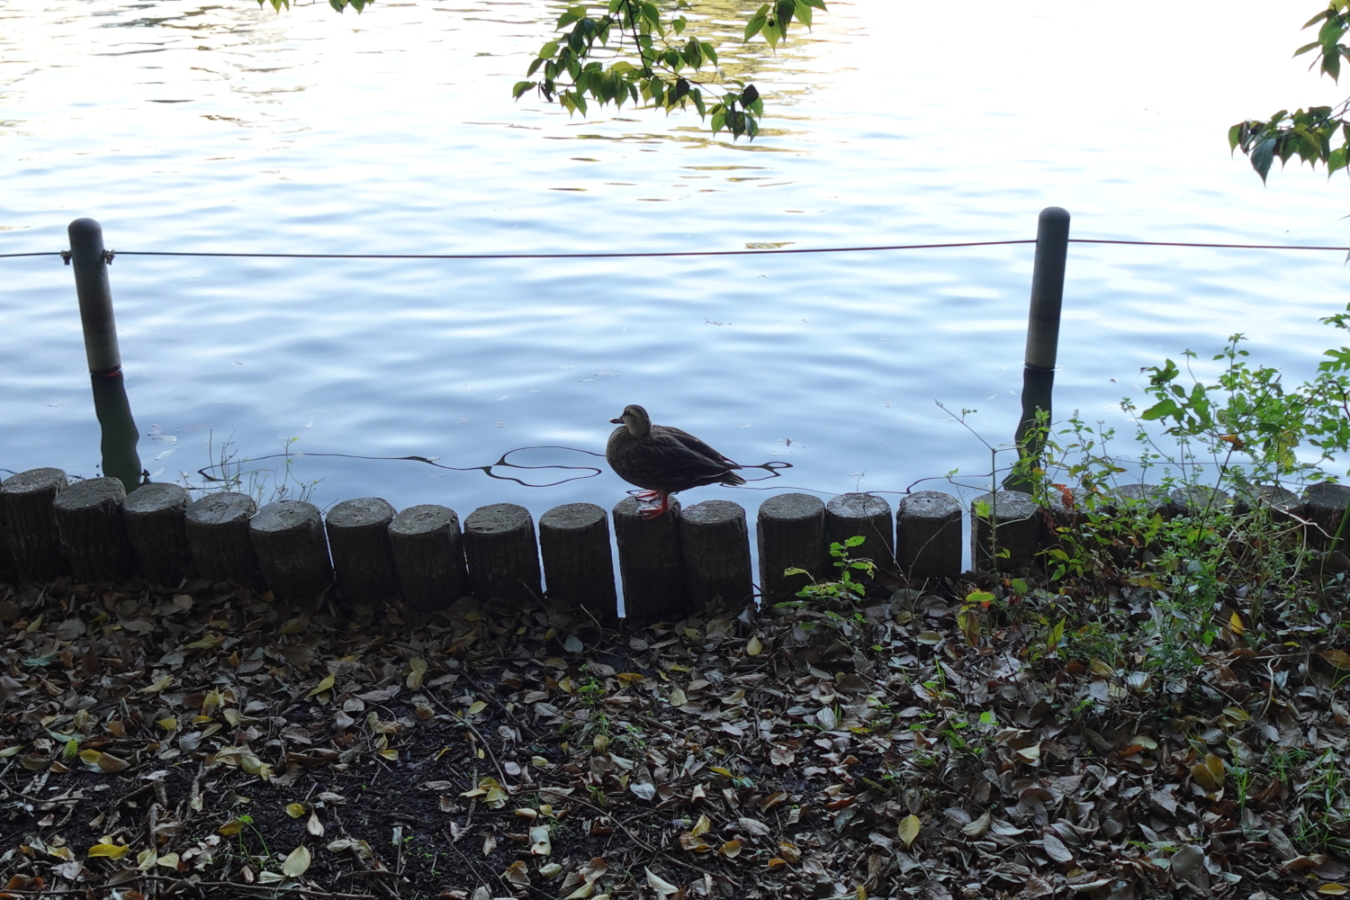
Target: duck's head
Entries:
(636, 419)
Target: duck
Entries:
(663, 460)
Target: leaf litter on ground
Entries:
(210, 741)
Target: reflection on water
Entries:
(506, 468)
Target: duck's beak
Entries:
(618, 421)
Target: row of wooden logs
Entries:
(693, 559)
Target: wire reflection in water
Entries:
(503, 469)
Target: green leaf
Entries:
(802, 12)
(1331, 63)
(1319, 17)
(548, 50)
(573, 14)
(757, 22)
(1262, 155)
(521, 87)
(652, 15)
(1055, 636)
(1167, 409)
(1331, 31)
(773, 33)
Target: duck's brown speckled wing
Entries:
(669, 460)
(690, 462)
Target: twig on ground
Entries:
(467, 861)
(252, 888)
(487, 748)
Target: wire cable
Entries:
(1188, 244)
(572, 255)
(675, 253)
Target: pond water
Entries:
(220, 127)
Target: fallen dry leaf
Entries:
(909, 829)
(659, 884)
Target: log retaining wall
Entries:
(689, 561)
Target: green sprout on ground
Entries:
(845, 587)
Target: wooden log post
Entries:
(866, 516)
(503, 555)
(1038, 370)
(429, 557)
(1325, 508)
(1130, 504)
(1143, 498)
(89, 519)
(1061, 524)
(1283, 505)
(89, 262)
(715, 547)
(1005, 531)
(120, 435)
(154, 518)
(1195, 500)
(9, 570)
(217, 532)
(928, 535)
(292, 554)
(578, 562)
(363, 559)
(790, 533)
(30, 523)
(650, 563)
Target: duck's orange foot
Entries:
(657, 511)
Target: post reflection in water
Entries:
(120, 459)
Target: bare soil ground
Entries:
(208, 743)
